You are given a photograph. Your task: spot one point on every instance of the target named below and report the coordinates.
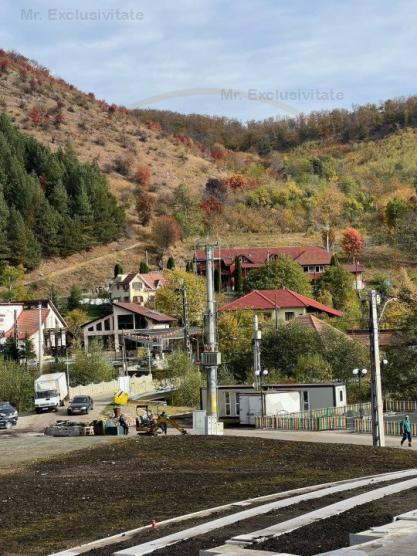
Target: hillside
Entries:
(275, 182)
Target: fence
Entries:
(400, 405)
(360, 408)
(392, 428)
(291, 423)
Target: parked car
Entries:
(8, 415)
(80, 404)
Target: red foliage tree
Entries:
(165, 232)
(59, 119)
(4, 64)
(156, 126)
(36, 115)
(144, 207)
(235, 181)
(112, 108)
(212, 206)
(143, 174)
(352, 242)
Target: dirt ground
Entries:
(97, 492)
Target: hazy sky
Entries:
(311, 55)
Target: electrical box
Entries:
(211, 358)
(213, 426)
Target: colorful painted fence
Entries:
(358, 408)
(400, 405)
(392, 428)
(291, 423)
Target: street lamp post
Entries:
(359, 373)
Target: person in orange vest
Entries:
(406, 428)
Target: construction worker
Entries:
(123, 423)
(163, 426)
(406, 428)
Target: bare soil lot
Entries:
(103, 490)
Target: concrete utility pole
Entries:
(185, 321)
(211, 356)
(40, 345)
(378, 433)
(256, 353)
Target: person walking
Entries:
(406, 428)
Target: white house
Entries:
(125, 318)
(24, 320)
(135, 287)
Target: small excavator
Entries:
(151, 424)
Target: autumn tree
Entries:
(235, 181)
(352, 242)
(12, 279)
(168, 297)
(144, 207)
(165, 232)
(212, 206)
(143, 174)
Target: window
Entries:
(306, 400)
(341, 396)
(237, 404)
(289, 315)
(138, 286)
(99, 326)
(227, 403)
(125, 322)
(140, 322)
(107, 324)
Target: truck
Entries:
(50, 392)
(274, 403)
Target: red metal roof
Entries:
(260, 255)
(267, 300)
(144, 311)
(28, 323)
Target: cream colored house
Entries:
(135, 287)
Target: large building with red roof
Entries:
(314, 261)
(280, 305)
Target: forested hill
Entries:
(370, 121)
(50, 203)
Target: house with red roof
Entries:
(125, 319)
(38, 321)
(135, 287)
(280, 305)
(314, 260)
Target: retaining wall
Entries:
(138, 385)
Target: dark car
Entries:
(8, 415)
(80, 404)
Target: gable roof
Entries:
(144, 311)
(259, 255)
(128, 278)
(152, 279)
(28, 323)
(268, 300)
(311, 321)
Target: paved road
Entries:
(328, 437)
(37, 422)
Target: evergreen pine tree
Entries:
(118, 269)
(143, 268)
(170, 263)
(17, 237)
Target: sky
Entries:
(244, 59)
